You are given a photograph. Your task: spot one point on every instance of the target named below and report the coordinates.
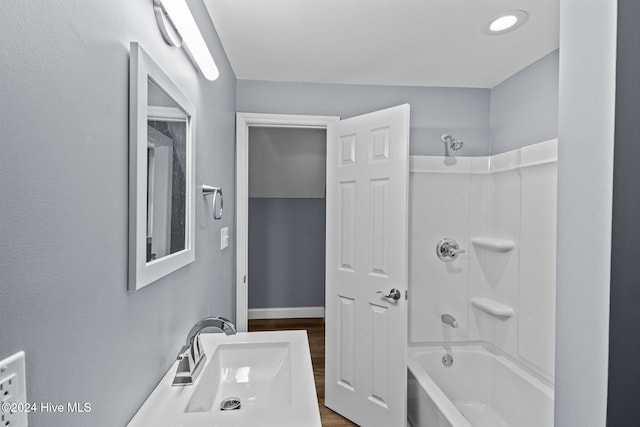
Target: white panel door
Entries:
(367, 235)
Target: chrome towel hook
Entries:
(208, 190)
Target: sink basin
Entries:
(267, 374)
(258, 374)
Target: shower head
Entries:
(453, 143)
(456, 144)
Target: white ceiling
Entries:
(382, 42)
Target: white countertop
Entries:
(296, 407)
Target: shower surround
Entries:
(502, 210)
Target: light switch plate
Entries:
(13, 390)
(224, 237)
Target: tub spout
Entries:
(448, 319)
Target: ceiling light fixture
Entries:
(178, 28)
(505, 22)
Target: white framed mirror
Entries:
(161, 173)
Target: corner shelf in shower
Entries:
(492, 307)
(494, 244)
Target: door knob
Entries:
(393, 294)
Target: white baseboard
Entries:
(286, 312)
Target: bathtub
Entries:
(481, 388)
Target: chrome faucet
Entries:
(191, 356)
(448, 319)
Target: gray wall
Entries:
(286, 252)
(524, 108)
(63, 221)
(585, 168)
(287, 182)
(434, 111)
(287, 162)
(520, 111)
(624, 340)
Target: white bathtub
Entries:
(482, 388)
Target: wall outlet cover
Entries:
(13, 390)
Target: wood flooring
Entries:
(315, 331)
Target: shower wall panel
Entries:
(502, 211)
(439, 208)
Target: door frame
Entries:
(243, 122)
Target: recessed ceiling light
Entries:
(505, 22)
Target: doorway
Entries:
(265, 127)
(287, 180)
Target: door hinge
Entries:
(406, 295)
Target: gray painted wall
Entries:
(63, 221)
(434, 111)
(624, 341)
(524, 108)
(287, 162)
(520, 111)
(286, 252)
(286, 217)
(585, 169)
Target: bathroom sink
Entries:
(257, 374)
(261, 378)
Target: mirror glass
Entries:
(166, 175)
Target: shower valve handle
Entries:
(448, 249)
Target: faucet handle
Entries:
(192, 351)
(184, 364)
(182, 352)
